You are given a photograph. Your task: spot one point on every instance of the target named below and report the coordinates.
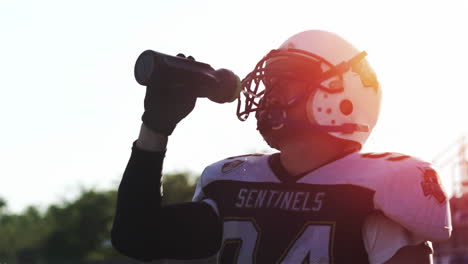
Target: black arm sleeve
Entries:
(144, 230)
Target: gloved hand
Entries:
(165, 107)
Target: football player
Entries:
(318, 200)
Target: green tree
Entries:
(73, 231)
(80, 229)
(21, 233)
(3, 205)
(178, 187)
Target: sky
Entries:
(70, 107)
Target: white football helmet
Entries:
(343, 95)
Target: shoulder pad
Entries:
(228, 165)
(410, 193)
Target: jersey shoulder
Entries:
(409, 191)
(387, 161)
(246, 168)
(364, 169)
(381, 167)
(403, 170)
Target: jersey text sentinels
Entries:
(294, 201)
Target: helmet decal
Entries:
(368, 76)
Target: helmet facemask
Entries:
(316, 74)
(307, 67)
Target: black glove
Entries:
(166, 106)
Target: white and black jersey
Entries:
(360, 208)
(339, 212)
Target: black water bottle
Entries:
(170, 72)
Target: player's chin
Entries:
(279, 137)
(270, 136)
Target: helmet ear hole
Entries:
(346, 107)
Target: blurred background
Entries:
(70, 107)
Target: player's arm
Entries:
(388, 242)
(144, 230)
(421, 253)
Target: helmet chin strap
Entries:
(276, 119)
(346, 128)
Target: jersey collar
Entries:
(284, 176)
